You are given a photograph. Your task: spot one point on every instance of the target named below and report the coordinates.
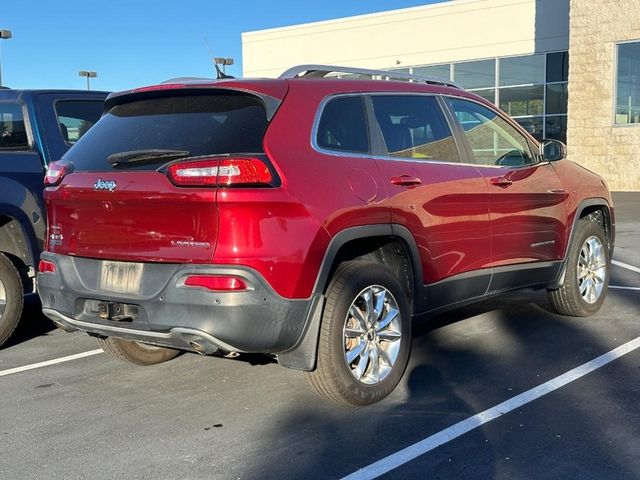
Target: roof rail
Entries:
(321, 71)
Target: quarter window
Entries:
(343, 126)
(493, 140)
(414, 127)
(75, 117)
(13, 133)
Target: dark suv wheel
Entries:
(365, 336)
(11, 298)
(587, 272)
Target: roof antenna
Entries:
(220, 74)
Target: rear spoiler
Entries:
(193, 87)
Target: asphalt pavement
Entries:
(247, 418)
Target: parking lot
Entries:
(201, 417)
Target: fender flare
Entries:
(584, 204)
(304, 354)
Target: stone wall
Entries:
(613, 151)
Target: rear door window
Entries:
(414, 127)
(343, 126)
(206, 124)
(13, 132)
(75, 117)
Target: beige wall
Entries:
(611, 151)
(446, 32)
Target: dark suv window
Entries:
(343, 126)
(415, 127)
(208, 124)
(75, 117)
(493, 140)
(13, 134)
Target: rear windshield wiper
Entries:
(122, 159)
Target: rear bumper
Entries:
(172, 315)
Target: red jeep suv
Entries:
(313, 218)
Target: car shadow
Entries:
(32, 323)
(464, 362)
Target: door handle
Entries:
(500, 182)
(405, 180)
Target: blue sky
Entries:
(141, 42)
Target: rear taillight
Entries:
(218, 283)
(220, 172)
(56, 172)
(46, 267)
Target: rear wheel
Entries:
(11, 298)
(365, 336)
(136, 352)
(587, 272)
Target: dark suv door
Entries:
(528, 216)
(439, 198)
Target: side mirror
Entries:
(552, 150)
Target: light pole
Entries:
(4, 35)
(224, 62)
(89, 74)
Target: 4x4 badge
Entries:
(105, 185)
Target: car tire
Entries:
(586, 276)
(364, 345)
(11, 298)
(136, 352)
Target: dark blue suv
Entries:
(36, 128)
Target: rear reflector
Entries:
(216, 282)
(220, 172)
(46, 267)
(56, 172)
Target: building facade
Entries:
(554, 65)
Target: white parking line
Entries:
(626, 265)
(624, 288)
(46, 363)
(411, 452)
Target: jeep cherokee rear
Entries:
(313, 219)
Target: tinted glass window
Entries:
(522, 70)
(200, 124)
(558, 67)
(439, 72)
(557, 98)
(493, 140)
(414, 127)
(556, 128)
(628, 83)
(487, 93)
(343, 126)
(13, 134)
(478, 74)
(518, 101)
(75, 117)
(533, 126)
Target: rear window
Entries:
(13, 134)
(200, 124)
(343, 126)
(75, 117)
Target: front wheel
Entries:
(587, 272)
(136, 352)
(365, 335)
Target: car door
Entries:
(527, 200)
(439, 198)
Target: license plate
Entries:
(121, 277)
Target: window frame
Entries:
(532, 142)
(377, 149)
(27, 125)
(616, 53)
(316, 125)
